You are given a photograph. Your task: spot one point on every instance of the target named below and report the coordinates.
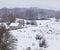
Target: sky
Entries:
(45, 4)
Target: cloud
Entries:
(49, 4)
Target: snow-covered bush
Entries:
(44, 18)
(42, 41)
(34, 30)
(28, 48)
(28, 23)
(33, 22)
(57, 20)
(33, 44)
(50, 30)
(38, 37)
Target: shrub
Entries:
(38, 37)
(57, 20)
(33, 23)
(34, 30)
(28, 23)
(44, 18)
(28, 48)
(43, 43)
(33, 44)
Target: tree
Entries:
(30, 14)
(11, 18)
(8, 18)
(7, 41)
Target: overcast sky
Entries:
(47, 4)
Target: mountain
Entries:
(30, 13)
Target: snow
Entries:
(26, 36)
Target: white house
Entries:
(14, 26)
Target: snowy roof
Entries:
(14, 24)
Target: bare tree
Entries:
(8, 18)
(7, 41)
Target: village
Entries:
(29, 25)
(34, 34)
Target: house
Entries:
(14, 26)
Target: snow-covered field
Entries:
(47, 28)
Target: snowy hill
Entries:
(50, 30)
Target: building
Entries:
(14, 26)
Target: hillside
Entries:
(50, 30)
(30, 13)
